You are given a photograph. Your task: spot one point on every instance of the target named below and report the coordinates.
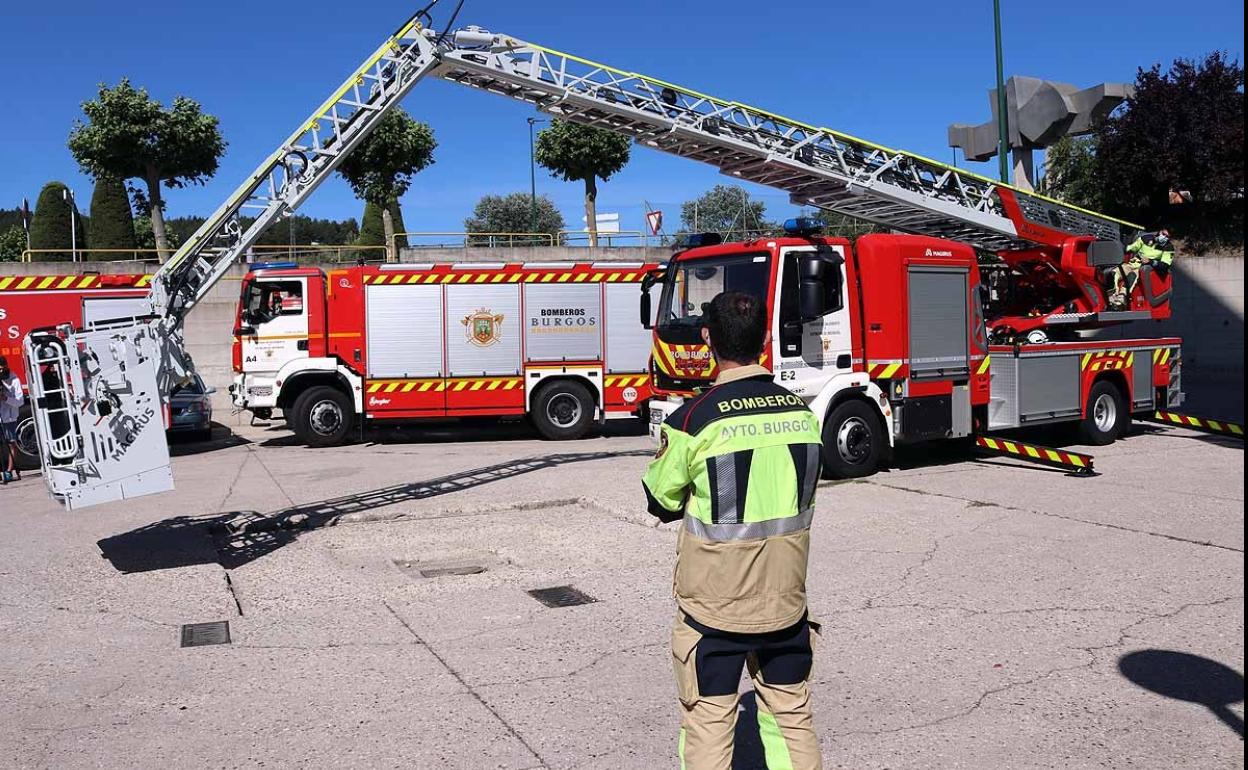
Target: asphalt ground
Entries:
(977, 614)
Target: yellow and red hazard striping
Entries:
(1107, 360)
(1078, 462)
(589, 276)
(984, 366)
(440, 385)
(883, 370)
(1163, 355)
(1200, 423)
(72, 282)
(626, 380)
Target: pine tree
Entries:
(50, 227)
(373, 230)
(112, 223)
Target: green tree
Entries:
(514, 214)
(1183, 129)
(1070, 172)
(574, 152)
(129, 135)
(112, 223)
(380, 168)
(726, 209)
(12, 243)
(373, 227)
(51, 227)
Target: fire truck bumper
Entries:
(250, 392)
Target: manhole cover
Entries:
(200, 634)
(561, 596)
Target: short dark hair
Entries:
(737, 323)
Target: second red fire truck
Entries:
(886, 339)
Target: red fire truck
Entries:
(559, 342)
(38, 301)
(886, 339)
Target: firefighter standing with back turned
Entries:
(739, 465)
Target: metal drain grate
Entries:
(200, 634)
(561, 596)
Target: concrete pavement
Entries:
(976, 614)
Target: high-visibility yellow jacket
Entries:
(1146, 246)
(739, 465)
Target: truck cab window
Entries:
(790, 315)
(265, 300)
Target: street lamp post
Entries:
(533, 177)
(1003, 138)
(67, 195)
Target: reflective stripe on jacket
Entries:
(739, 464)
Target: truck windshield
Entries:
(693, 283)
(265, 300)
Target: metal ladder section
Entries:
(816, 166)
(289, 175)
(52, 357)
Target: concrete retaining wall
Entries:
(1207, 311)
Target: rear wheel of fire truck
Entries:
(1107, 416)
(853, 441)
(563, 410)
(322, 416)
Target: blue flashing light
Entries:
(694, 240)
(802, 227)
(274, 265)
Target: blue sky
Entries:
(896, 73)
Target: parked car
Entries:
(191, 407)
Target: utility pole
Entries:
(67, 195)
(1003, 135)
(533, 177)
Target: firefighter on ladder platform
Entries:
(739, 466)
(1155, 249)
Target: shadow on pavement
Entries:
(465, 430)
(237, 538)
(1190, 678)
(222, 438)
(747, 744)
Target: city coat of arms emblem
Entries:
(483, 327)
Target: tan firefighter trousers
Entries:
(708, 669)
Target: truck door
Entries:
(274, 321)
(808, 354)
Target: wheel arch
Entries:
(854, 386)
(1115, 377)
(296, 384)
(594, 388)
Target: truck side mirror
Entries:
(646, 309)
(811, 296)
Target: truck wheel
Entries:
(322, 416)
(1107, 416)
(563, 411)
(27, 445)
(853, 441)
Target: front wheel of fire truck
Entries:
(1106, 417)
(853, 441)
(563, 410)
(322, 416)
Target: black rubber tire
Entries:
(322, 416)
(1093, 428)
(863, 444)
(26, 461)
(563, 411)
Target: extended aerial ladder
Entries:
(96, 389)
